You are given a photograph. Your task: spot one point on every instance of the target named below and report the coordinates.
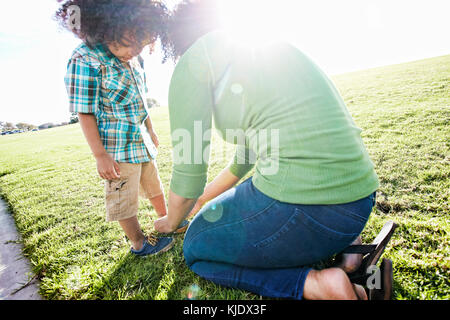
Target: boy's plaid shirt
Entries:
(97, 82)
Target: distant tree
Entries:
(25, 126)
(74, 118)
(46, 126)
(152, 103)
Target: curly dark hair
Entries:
(190, 20)
(107, 21)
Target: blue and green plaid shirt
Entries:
(99, 83)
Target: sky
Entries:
(341, 36)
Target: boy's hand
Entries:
(107, 168)
(154, 138)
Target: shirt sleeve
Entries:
(243, 161)
(83, 83)
(190, 112)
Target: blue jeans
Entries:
(245, 239)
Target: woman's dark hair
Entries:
(106, 21)
(190, 20)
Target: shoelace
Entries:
(153, 238)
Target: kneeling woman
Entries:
(314, 184)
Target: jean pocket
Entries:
(281, 234)
(337, 229)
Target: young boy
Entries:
(106, 84)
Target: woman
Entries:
(314, 183)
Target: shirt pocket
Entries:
(120, 97)
(119, 88)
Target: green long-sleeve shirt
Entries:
(280, 109)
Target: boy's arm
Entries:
(149, 125)
(83, 82)
(106, 166)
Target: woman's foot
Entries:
(351, 261)
(360, 292)
(331, 284)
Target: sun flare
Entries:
(261, 21)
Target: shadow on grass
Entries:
(399, 291)
(160, 277)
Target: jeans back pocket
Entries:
(330, 224)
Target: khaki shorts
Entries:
(122, 195)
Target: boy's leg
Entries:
(133, 231)
(122, 202)
(152, 187)
(159, 203)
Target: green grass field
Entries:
(49, 180)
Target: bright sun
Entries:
(259, 20)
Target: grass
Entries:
(49, 180)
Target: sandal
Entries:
(385, 292)
(372, 253)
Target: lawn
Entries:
(49, 180)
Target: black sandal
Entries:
(385, 292)
(372, 253)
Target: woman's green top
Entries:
(282, 112)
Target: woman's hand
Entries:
(107, 168)
(162, 225)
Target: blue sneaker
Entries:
(153, 245)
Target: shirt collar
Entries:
(105, 55)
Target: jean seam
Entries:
(236, 222)
(264, 242)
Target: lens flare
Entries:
(192, 292)
(255, 21)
